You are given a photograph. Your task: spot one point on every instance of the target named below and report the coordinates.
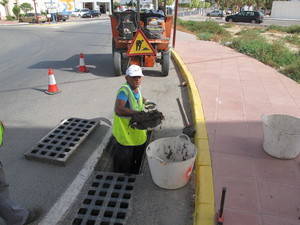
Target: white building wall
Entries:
(58, 5)
(286, 10)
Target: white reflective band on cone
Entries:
(52, 79)
(81, 62)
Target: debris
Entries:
(144, 120)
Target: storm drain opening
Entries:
(107, 200)
(61, 142)
(105, 163)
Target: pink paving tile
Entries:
(235, 217)
(254, 92)
(210, 112)
(288, 110)
(278, 171)
(279, 96)
(230, 109)
(278, 220)
(255, 111)
(238, 145)
(242, 194)
(278, 199)
(234, 138)
(228, 165)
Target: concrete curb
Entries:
(204, 202)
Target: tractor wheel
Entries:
(117, 63)
(165, 64)
(124, 64)
(113, 46)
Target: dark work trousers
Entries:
(11, 212)
(127, 159)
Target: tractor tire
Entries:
(165, 63)
(113, 46)
(117, 57)
(124, 64)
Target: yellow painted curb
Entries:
(205, 202)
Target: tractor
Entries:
(141, 36)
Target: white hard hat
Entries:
(134, 71)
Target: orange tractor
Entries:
(141, 37)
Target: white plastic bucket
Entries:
(171, 161)
(281, 136)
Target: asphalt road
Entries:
(27, 51)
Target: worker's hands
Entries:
(145, 120)
(138, 116)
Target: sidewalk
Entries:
(235, 91)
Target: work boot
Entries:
(34, 214)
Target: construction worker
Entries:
(11, 212)
(130, 142)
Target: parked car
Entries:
(215, 13)
(62, 17)
(80, 12)
(31, 18)
(95, 13)
(246, 16)
(228, 11)
(87, 15)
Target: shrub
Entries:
(211, 27)
(10, 18)
(250, 33)
(293, 29)
(227, 25)
(276, 28)
(16, 10)
(290, 29)
(206, 36)
(275, 54)
(293, 39)
(293, 70)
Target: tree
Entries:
(5, 5)
(26, 7)
(16, 10)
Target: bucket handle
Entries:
(157, 158)
(184, 136)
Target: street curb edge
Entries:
(204, 213)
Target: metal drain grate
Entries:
(59, 144)
(107, 201)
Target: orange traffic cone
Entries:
(52, 87)
(82, 68)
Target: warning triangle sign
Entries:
(140, 45)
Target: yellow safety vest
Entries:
(124, 134)
(1, 132)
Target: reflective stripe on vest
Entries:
(1, 133)
(124, 134)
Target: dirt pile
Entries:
(144, 120)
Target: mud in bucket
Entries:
(281, 136)
(171, 161)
